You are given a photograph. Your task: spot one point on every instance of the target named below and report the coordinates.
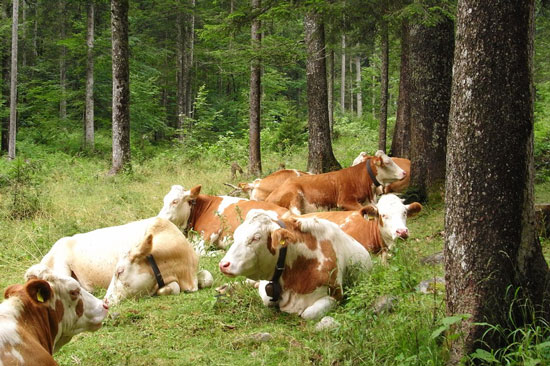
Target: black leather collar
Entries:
(273, 289)
(156, 271)
(371, 174)
(188, 227)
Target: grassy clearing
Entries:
(74, 195)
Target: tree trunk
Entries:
(180, 71)
(330, 90)
(431, 60)
(189, 54)
(383, 118)
(495, 269)
(121, 86)
(13, 82)
(373, 97)
(358, 86)
(402, 132)
(321, 158)
(350, 84)
(343, 76)
(254, 157)
(89, 123)
(4, 121)
(62, 65)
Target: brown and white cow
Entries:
(215, 218)
(346, 188)
(376, 227)
(40, 316)
(260, 188)
(397, 186)
(309, 255)
(91, 257)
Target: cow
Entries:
(215, 218)
(397, 186)
(91, 257)
(347, 188)
(260, 188)
(41, 315)
(305, 258)
(376, 227)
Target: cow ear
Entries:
(413, 209)
(194, 192)
(245, 186)
(369, 211)
(143, 249)
(39, 291)
(281, 238)
(378, 161)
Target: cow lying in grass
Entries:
(305, 258)
(376, 227)
(347, 188)
(40, 316)
(260, 188)
(91, 257)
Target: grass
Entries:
(201, 328)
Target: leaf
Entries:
(481, 354)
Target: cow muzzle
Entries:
(402, 233)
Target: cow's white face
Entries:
(81, 310)
(250, 254)
(387, 170)
(177, 205)
(392, 215)
(133, 276)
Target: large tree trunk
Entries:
(13, 82)
(321, 158)
(401, 141)
(62, 64)
(494, 263)
(4, 121)
(89, 117)
(383, 118)
(330, 90)
(358, 86)
(343, 76)
(121, 86)
(431, 57)
(254, 157)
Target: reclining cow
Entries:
(260, 188)
(347, 188)
(215, 218)
(397, 186)
(376, 227)
(91, 257)
(305, 258)
(40, 316)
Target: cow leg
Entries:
(173, 288)
(319, 308)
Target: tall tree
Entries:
(254, 157)
(121, 86)
(402, 131)
(89, 115)
(13, 81)
(358, 86)
(62, 62)
(5, 60)
(321, 158)
(489, 183)
(384, 67)
(431, 59)
(185, 46)
(343, 76)
(330, 95)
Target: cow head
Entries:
(387, 171)
(133, 275)
(255, 247)
(362, 157)
(392, 216)
(178, 203)
(74, 309)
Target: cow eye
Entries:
(175, 202)
(119, 271)
(74, 294)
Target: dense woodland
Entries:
(130, 82)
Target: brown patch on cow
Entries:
(79, 308)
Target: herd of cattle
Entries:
(284, 238)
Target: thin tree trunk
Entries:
(89, 123)
(4, 121)
(189, 54)
(62, 64)
(343, 76)
(402, 132)
(495, 268)
(13, 82)
(35, 33)
(23, 40)
(254, 157)
(383, 118)
(373, 97)
(350, 84)
(121, 86)
(321, 158)
(330, 76)
(358, 86)
(180, 71)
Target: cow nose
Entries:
(403, 233)
(106, 304)
(224, 265)
(404, 174)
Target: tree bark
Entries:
(13, 82)
(358, 86)
(189, 54)
(254, 155)
(330, 90)
(402, 132)
(321, 158)
(431, 73)
(62, 64)
(343, 76)
(4, 121)
(383, 118)
(495, 269)
(350, 84)
(89, 117)
(121, 86)
(180, 71)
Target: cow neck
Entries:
(156, 271)
(377, 239)
(372, 174)
(274, 285)
(197, 207)
(43, 322)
